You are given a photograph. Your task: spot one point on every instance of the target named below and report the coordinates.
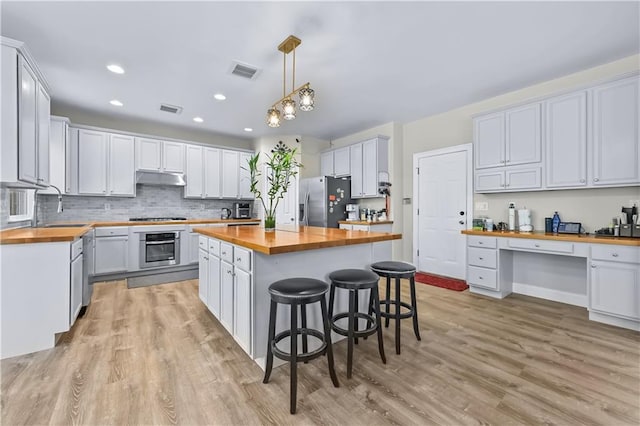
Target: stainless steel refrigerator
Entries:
(323, 200)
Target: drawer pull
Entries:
(481, 258)
(614, 254)
(479, 277)
(238, 259)
(480, 242)
(224, 252)
(593, 266)
(537, 245)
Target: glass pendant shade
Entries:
(306, 99)
(289, 109)
(273, 117)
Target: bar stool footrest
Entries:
(359, 333)
(392, 315)
(301, 357)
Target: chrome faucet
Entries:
(34, 221)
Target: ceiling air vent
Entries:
(244, 70)
(170, 108)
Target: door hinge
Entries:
(418, 170)
(418, 212)
(418, 253)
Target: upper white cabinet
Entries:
(160, 156)
(212, 177)
(230, 174)
(335, 162)
(194, 172)
(591, 139)
(616, 137)
(25, 119)
(244, 190)
(367, 160)
(58, 155)
(509, 138)
(105, 163)
(566, 140)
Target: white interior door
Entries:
(443, 198)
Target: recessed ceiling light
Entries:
(220, 96)
(248, 129)
(116, 102)
(117, 69)
(198, 119)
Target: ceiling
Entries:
(370, 63)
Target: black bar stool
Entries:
(355, 280)
(398, 270)
(298, 292)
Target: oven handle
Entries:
(153, 243)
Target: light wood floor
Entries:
(155, 355)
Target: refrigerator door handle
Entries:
(305, 218)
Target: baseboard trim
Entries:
(615, 321)
(550, 294)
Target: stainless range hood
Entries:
(160, 178)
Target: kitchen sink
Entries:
(63, 225)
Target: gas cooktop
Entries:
(155, 219)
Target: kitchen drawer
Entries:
(112, 231)
(203, 243)
(485, 242)
(540, 245)
(76, 248)
(214, 247)
(361, 228)
(487, 258)
(226, 252)
(242, 258)
(615, 253)
(482, 277)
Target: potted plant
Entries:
(281, 168)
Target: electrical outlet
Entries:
(107, 206)
(481, 206)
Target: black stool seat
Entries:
(397, 270)
(355, 280)
(298, 292)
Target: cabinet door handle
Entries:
(224, 252)
(614, 254)
(596, 179)
(593, 266)
(537, 245)
(480, 278)
(480, 242)
(481, 258)
(238, 259)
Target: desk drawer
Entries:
(484, 242)
(487, 258)
(242, 258)
(214, 247)
(482, 277)
(615, 253)
(226, 252)
(540, 245)
(203, 243)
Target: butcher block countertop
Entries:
(364, 222)
(42, 235)
(582, 238)
(60, 234)
(293, 239)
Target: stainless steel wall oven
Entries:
(159, 249)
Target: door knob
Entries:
(461, 213)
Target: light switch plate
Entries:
(481, 206)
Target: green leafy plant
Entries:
(281, 168)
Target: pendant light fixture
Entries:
(287, 102)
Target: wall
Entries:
(128, 124)
(395, 133)
(159, 201)
(593, 207)
(310, 158)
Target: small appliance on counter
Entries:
(225, 213)
(242, 210)
(352, 211)
(524, 220)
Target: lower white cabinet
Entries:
(111, 250)
(615, 281)
(229, 287)
(482, 262)
(75, 288)
(226, 295)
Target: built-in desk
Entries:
(601, 274)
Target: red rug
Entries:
(440, 281)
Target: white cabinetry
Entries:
(226, 296)
(230, 174)
(160, 156)
(24, 159)
(616, 136)
(217, 173)
(371, 227)
(105, 164)
(194, 171)
(244, 191)
(368, 160)
(75, 289)
(59, 150)
(482, 263)
(335, 163)
(489, 140)
(111, 249)
(203, 275)
(242, 309)
(214, 284)
(566, 140)
(212, 178)
(615, 281)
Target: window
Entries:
(20, 204)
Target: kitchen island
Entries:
(237, 265)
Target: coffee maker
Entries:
(352, 211)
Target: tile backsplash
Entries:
(150, 201)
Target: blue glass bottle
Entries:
(556, 222)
